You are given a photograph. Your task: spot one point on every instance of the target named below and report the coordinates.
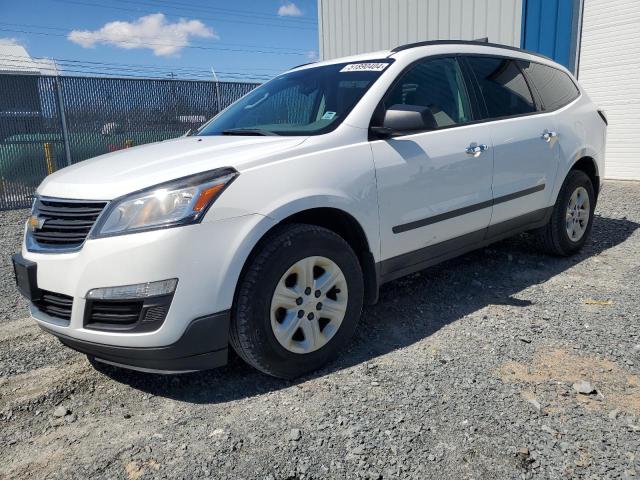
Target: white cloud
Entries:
(289, 9)
(312, 55)
(9, 41)
(151, 31)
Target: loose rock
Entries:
(452, 370)
(584, 388)
(61, 411)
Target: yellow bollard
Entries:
(48, 158)
(128, 143)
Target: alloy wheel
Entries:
(578, 213)
(309, 304)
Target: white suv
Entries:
(271, 226)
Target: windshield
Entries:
(304, 102)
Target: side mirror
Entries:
(404, 119)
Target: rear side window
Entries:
(556, 89)
(437, 84)
(503, 87)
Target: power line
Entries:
(67, 29)
(223, 11)
(80, 67)
(146, 44)
(183, 67)
(151, 77)
(188, 68)
(95, 5)
(231, 11)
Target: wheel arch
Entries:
(588, 165)
(586, 160)
(343, 224)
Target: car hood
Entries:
(115, 174)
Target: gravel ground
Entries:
(504, 363)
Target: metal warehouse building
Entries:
(599, 40)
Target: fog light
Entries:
(139, 290)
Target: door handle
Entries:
(547, 135)
(475, 150)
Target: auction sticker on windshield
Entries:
(364, 67)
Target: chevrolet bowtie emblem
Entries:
(35, 222)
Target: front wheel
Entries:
(298, 302)
(572, 217)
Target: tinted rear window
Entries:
(503, 86)
(556, 89)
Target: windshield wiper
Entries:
(249, 131)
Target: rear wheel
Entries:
(298, 302)
(572, 217)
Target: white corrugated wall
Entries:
(609, 70)
(347, 27)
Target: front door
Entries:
(434, 187)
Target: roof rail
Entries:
(484, 42)
(302, 65)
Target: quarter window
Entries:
(436, 84)
(503, 86)
(556, 89)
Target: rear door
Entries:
(556, 90)
(525, 149)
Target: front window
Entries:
(436, 84)
(304, 102)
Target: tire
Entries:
(260, 329)
(554, 238)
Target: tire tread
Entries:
(549, 237)
(242, 333)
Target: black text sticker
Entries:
(364, 67)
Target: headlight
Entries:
(179, 202)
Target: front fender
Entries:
(249, 229)
(257, 226)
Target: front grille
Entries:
(65, 224)
(130, 315)
(55, 304)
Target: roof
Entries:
(14, 58)
(379, 55)
(476, 43)
(360, 57)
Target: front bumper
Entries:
(206, 258)
(202, 346)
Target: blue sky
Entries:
(242, 40)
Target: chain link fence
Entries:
(47, 123)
